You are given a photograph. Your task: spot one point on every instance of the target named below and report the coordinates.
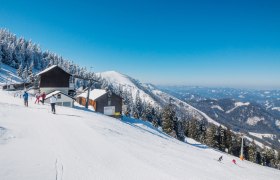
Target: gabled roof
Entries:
(94, 94)
(55, 93)
(50, 68)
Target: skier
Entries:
(43, 97)
(25, 98)
(234, 161)
(53, 101)
(220, 158)
(37, 96)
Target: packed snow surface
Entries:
(77, 144)
(254, 120)
(8, 75)
(217, 107)
(119, 80)
(276, 108)
(238, 104)
(94, 94)
(261, 136)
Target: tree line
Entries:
(217, 137)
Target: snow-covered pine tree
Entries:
(148, 112)
(228, 140)
(210, 135)
(30, 73)
(1, 53)
(236, 145)
(252, 152)
(168, 117)
(193, 129)
(25, 75)
(179, 129)
(202, 132)
(138, 105)
(186, 124)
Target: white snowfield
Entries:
(82, 145)
(276, 108)
(8, 75)
(117, 79)
(238, 104)
(261, 136)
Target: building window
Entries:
(59, 96)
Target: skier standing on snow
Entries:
(25, 98)
(234, 161)
(53, 101)
(220, 158)
(37, 96)
(43, 97)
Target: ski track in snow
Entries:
(77, 144)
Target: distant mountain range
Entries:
(255, 111)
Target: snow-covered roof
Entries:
(56, 92)
(49, 68)
(94, 94)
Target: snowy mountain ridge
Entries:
(153, 95)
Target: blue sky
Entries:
(209, 43)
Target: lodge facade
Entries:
(55, 79)
(102, 101)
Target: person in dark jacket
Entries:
(220, 158)
(25, 98)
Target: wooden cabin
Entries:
(102, 101)
(61, 99)
(55, 78)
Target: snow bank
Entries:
(8, 75)
(276, 108)
(76, 144)
(238, 104)
(261, 136)
(254, 120)
(217, 107)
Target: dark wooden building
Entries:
(102, 101)
(54, 78)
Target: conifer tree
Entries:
(228, 140)
(252, 152)
(210, 135)
(202, 133)
(193, 130)
(20, 70)
(168, 116)
(179, 129)
(138, 106)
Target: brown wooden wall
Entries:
(102, 101)
(82, 101)
(56, 77)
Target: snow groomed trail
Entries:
(81, 145)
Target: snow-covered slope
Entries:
(76, 144)
(153, 95)
(8, 75)
(128, 83)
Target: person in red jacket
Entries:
(234, 161)
(37, 96)
(43, 97)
